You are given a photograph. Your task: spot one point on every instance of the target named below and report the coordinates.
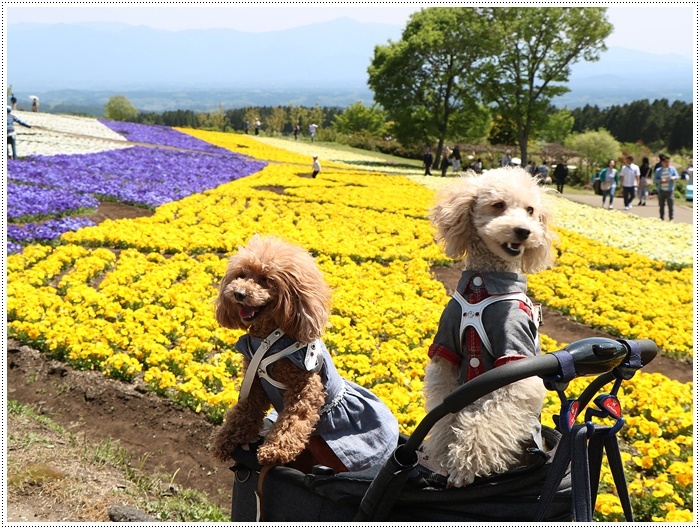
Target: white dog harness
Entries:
(472, 334)
(472, 313)
(258, 365)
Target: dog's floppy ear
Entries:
(226, 313)
(541, 257)
(303, 304)
(452, 215)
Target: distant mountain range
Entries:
(83, 64)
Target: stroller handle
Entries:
(590, 356)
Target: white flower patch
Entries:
(53, 134)
(81, 125)
(366, 162)
(663, 241)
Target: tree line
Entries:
(657, 125)
(274, 120)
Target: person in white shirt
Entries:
(630, 181)
(312, 131)
(316, 167)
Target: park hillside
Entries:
(132, 298)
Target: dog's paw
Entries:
(222, 448)
(270, 455)
(460, 479)
(223, 443)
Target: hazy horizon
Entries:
(631, 22)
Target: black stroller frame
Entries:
(561, 486)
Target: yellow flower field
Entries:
(135, 298)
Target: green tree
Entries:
(595, 148)
(216, 120)
(276, 120)
(316, 115)
(423, 80)
(538, 45)
(358, 118)
(119, 108)
(557, 127)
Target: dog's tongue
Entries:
(247, 312)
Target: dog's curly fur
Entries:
(271, 284)
(500, 222)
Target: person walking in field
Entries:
(257, 126)
(427, 161)
(445, 163)
(11, 134)
(609, 180)
(645, 181)
(561, 173)
(316, 167)
(312, 131)
(505, 159)
(629, 174)
(456, 159)
(296, 131)
(665, 179)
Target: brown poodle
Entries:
(277, 293)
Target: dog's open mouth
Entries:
(512, 248)
(249, 313)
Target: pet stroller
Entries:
(560, 485)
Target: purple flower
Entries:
(45, 231)
(33, 201)
(138, 175)
(160, 135)
(13, 248)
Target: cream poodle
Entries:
(499, 221)
(276, 292)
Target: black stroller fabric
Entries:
(291, 496)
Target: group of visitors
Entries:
(450, 158)
(636, 182)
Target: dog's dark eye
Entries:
(530, 210)
(499, 205)
(271, 283)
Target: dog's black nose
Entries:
(238, 295)
(522, 233)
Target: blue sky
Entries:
(636, 25)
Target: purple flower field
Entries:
(140, 175)
(32, 201)
(46, 231)
(161, 135)
(54, 186)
